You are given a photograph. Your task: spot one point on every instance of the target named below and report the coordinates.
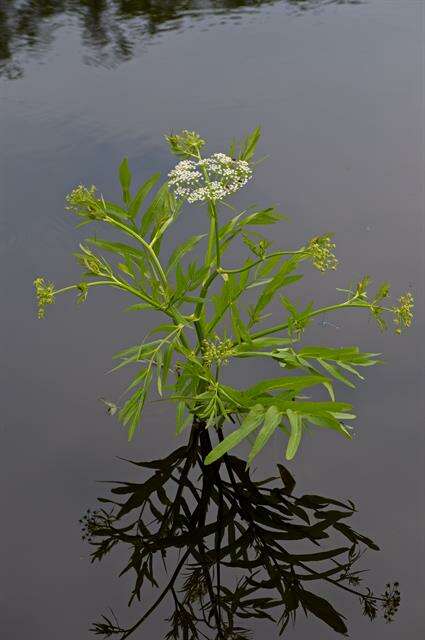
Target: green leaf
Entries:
(114, 211)
(142, 306)
(272, 419)
(125, 180)
(252, 421)
(141, 194)
(295, 420)
(182, 250)
(295, 383)
(155, 210)
(265, 216)
(328, 421)
(335, 373)
(249, 145)
(167, 364)
(119, 248)
(124, 268)
(328, 386)
(279, 280)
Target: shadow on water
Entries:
(234, 548)
(110, 31)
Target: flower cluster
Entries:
(83, 201)
(320, 250)
(403, 314)
(217, 351)
(186, 143)
(211, 178)
(370, 609)
(45, 293)
(391, 601)
(94, 522)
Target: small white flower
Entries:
(211, 178)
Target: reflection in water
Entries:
(110, 29)
(234, 548)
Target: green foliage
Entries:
(209, 317)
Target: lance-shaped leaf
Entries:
(125, 180)
(182, 250)
(335, 373)
(141, 194)
(295, 383)
(249, 145)
(324, 611)
(252, 421)
(155, 210)
(295, 420)
(272, 419)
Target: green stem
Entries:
(171, 311)
(208, 255)
(198, 309)
(213, 210)
(177, 318)
(152, 255)
(254, 264)
(112, 283)
(317, 312)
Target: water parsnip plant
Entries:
(208, 314)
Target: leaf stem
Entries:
(152, 255)
(333, 307)
(254, 264)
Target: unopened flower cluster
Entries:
(45, 293)
(403, 313)
(83, 201)
(217, 351)
(186, 143)
(211, 178)
(321, 252)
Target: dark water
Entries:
(338, 88)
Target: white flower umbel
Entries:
(211, 178)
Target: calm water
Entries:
(338, 88)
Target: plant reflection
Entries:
(234, 548)
(110, 30)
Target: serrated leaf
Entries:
(296, 383)
(124, 268)
(125, 180)
(181, 421)
(166, 364)
(250, 423)
(182, 250)
(141, 194)
(272, 419)
(249, 145)
(295, 420)
(265, 216)
(335, 373)
(328, 386)
(328, 421)
(155, 209)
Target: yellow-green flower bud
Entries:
(403, 312)
(321, 249)
(45, 293)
